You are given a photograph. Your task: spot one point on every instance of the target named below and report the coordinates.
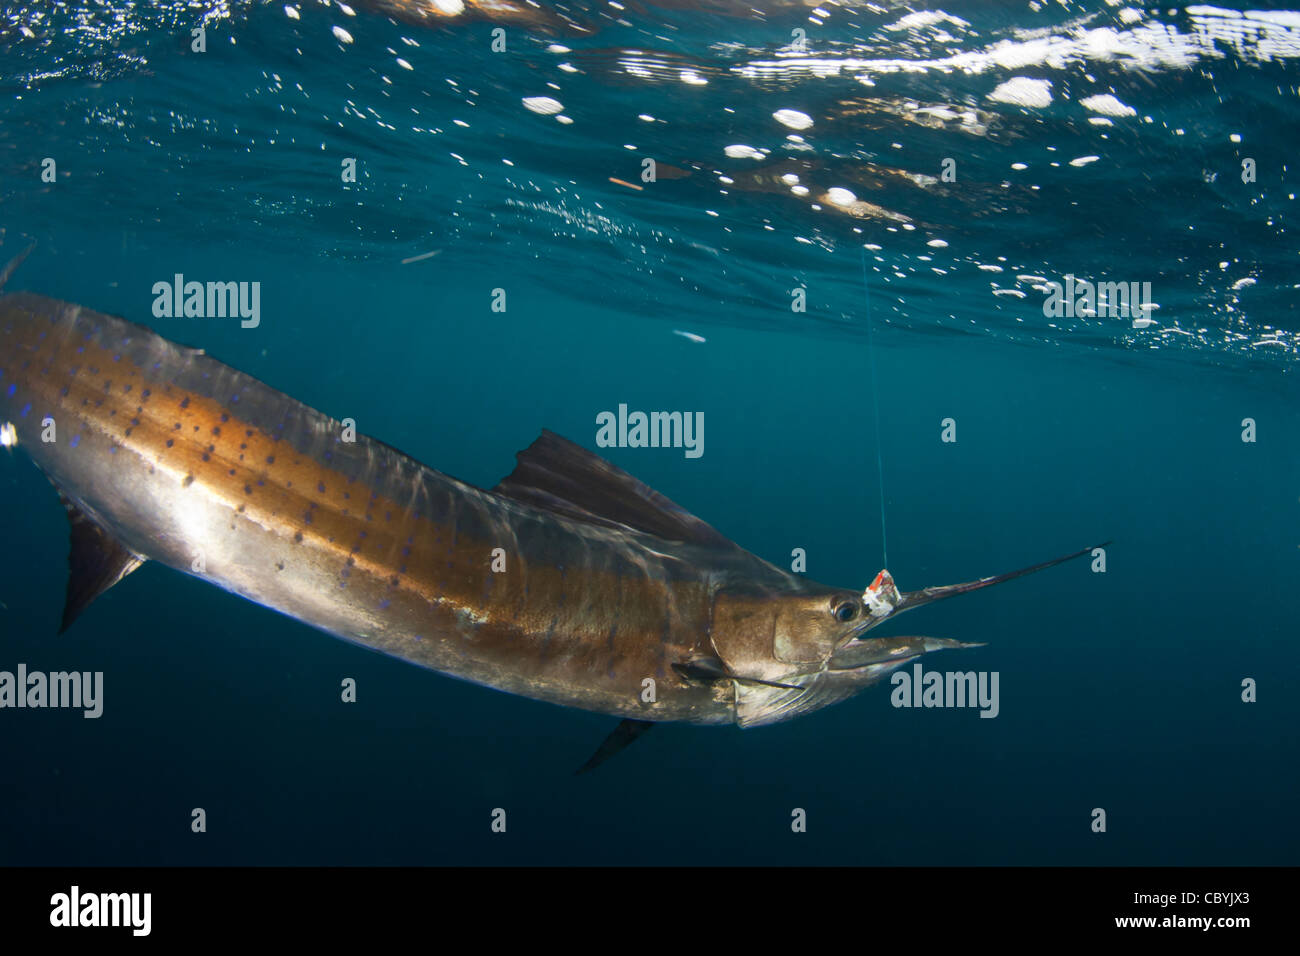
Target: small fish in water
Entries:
(570, 581)
(421, 257)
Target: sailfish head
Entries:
(789, 653)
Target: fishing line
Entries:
(875, 408)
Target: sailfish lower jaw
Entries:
(852, 669)
(859, 654)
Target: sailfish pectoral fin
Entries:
(619, 738)
(710, 669)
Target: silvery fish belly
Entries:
(569, 582)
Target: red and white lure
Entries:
(881, 596)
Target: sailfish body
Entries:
(569, 582)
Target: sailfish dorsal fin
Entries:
(556, 475)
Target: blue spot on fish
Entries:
(76, 440)
(26, 408)
(12, 389)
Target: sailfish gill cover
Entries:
(945, 287)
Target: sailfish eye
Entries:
(845, 611)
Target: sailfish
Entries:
(570, 581)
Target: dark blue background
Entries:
(1118, 690)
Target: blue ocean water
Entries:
(1087, 139)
